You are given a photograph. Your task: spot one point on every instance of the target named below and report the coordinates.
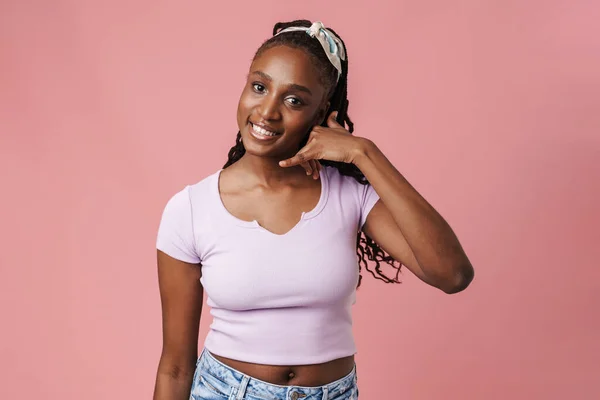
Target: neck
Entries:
(266, 170)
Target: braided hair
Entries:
(367, 249)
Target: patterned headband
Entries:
(334, 49)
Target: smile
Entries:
(261, 133)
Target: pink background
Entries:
(490, 108)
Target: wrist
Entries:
(363, 150)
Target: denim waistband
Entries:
(243, 384)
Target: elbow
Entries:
(459, 280)
(177, 368)
(176, 373)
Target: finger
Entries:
(315, 169)
(301, 157)
(307, 167)
(332, 122)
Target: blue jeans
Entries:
(214, 380)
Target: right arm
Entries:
(181, 296)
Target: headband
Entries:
(334, 49)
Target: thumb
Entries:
(331, 121)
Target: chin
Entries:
(262, 148)
(258, 149)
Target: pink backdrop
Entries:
(490, 108)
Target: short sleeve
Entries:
(368, 198)
(176, 231)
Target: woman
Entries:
(273, 237)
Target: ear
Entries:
(322, 114)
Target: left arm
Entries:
(402, 223)
(408, 228)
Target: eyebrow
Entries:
(292, 86)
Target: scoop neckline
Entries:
(306, 215)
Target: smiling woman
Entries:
(279, 236)
(273, 102)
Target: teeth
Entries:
(263, 131)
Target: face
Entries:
(281, 102)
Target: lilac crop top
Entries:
(275, 299)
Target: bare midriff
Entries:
(295, 375)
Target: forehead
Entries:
(287, 65)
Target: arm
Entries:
(408, 228)
(181, 298)
(402, 222)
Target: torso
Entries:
(278, 210)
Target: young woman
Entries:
(279, 235)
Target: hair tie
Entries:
(332, 45)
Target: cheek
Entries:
(242, 100)
(244, 105)
(299, 131)
(302, 123)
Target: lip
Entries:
(261, 137)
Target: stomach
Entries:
(294, 375)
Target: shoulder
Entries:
(180, 219)
(337, 181)
(349, 187)
(194, 194)
(200, 192)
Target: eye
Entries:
(294, 101)
(258, 87)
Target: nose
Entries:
(269, 108)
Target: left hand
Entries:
(334, 143)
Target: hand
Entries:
(333, 143)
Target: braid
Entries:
(366, 248)
(236, 152)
